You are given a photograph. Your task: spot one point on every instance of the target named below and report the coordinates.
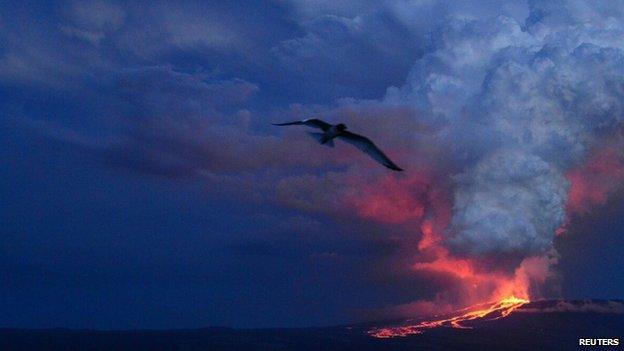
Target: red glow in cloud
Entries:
(469, 281)
(391, 199)
(479, 284)
(486, 290)
(490, 293)
(593, 182)
(429, 235)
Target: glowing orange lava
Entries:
(488, 311)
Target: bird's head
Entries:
(341, 127)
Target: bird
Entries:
(331, 132)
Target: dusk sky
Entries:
(143, 185)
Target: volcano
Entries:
(539, 325)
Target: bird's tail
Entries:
(320, 137)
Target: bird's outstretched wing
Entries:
(367, 146)
(312, 122)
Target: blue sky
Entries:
(144, 187)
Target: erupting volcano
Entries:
(491, 285)
(488, 311)
(473, 285)
(143, 185)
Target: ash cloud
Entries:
(511, 201)
(499, 106)
(493, 106)
(518, 104)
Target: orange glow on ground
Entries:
(506, 291)
(488, 311)
(491, 290)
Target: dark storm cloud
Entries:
(467, 80)
(503, 96)
(332, 55)
(181, 125)
(359, 49)
(81, 39)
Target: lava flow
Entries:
(489, 311)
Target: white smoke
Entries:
(519, 104)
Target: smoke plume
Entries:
(508, 123)
(518, 105)
(526, 115)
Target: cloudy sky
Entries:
(143, 186)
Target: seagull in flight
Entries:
(331, 132)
